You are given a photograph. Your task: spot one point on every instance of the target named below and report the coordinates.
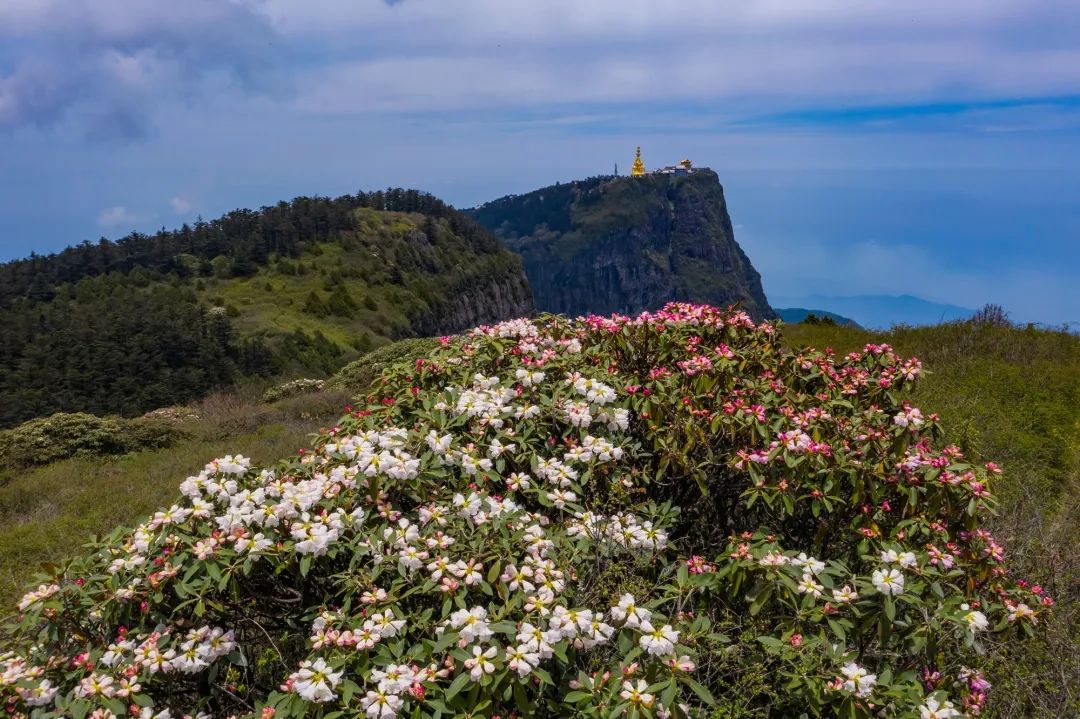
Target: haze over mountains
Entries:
(879, 311)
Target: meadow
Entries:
(48, 512)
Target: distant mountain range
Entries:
(794, 315)
(879, 311)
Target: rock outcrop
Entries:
(627, 244)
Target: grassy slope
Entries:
(46, 513)
(273, 299)
(1010, 396)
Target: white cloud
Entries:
(180, 205)
(772, 55)
(117, 216)
(122, 58)
(114, 63)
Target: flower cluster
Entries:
(553, 516)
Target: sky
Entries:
(924, 148)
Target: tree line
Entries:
(117, 327)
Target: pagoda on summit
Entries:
(638, 168)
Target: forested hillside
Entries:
(306, 285)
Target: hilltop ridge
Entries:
(302, 286)
(626, 244)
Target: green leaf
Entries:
(456, 686)
(116, 706)
(699, 689)
(772, 644)
(760, 599)
(348, 689)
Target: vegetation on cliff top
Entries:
(627, 244)
(561, 518)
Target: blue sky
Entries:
(865, 147)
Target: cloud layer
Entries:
(107, 66)
(940, 140)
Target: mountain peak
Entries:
(626, 244)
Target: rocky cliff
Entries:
(627, 244)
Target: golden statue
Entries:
(638, 170)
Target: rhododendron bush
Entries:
(601, 517)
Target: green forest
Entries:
(300, 287)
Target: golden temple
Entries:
(638, 169)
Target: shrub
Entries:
(655, 517)
(292, 389)
(359, 376)
(63, 435)
(990, 314)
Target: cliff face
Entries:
(476, 303)
(627, 245)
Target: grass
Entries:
(47, 513)
(1010, 395)
(391, 273)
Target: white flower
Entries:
(480, 663)
(910, 417)
(636, 694)
(516, 578)
(529, 378)
(888, 581)
(533, 639)
(933, 709)
(315, 681)
(682, 664)
(472, 624)
(439, 445)
(380, 705)
(40, 695)
(976, 620)
(809, 586)
(773, 559)
(809, 564)
(629, 613)
(385, 624)
(907, 560)
(395, 679)
(522, 659)
(845, 595)
(857, 680)
(42, 592)
(518, 480)
(1020, 611)
(658, 642)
